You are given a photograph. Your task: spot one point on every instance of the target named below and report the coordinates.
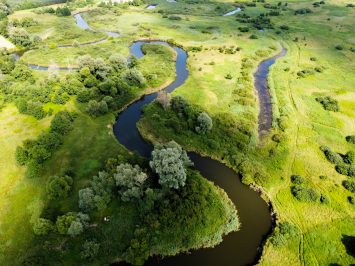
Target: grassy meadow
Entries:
(222, 59)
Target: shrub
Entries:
(350, 139)
(328, 103)
(349, 157)
(349, 185)
(253, 37)
(33, 169)
(284, 27)
(282, 233)
(332, 156)
(42, 226)
(72, 223)
(297, 179)
(63, 12)
(179, 105)
(305, 194)
(133, 77)
(351, 200)
(95, 108)
(204, 123)
(344, 169)
(62, 123)
(90, 249)
(324, 199)
(323, 177)
(59, 186)
(174, 17)
(339, 47)
(243, 29)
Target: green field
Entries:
(223, 53)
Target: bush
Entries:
(324, 199)
(59, 187)
(62, 123)
(350, 139)
(63, 12)
(90, 249)
(133, 77)
(42, 227)
(179, 105)
(328, 103)
(204, 123)
(305, 194)
(174, 17)
(95, 108)
(72, 223)
(344, 169)
(331, 156)
(282, 233)
(339, 47)
(349, 157)
(33, 169)
(351, 200)
(297, 179)
(349, 185)
(253, 37)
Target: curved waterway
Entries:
(261, 85)
(238, 248)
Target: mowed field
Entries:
(299, 119)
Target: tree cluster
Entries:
(107, 84)
(33, 153)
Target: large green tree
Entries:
(169, 162)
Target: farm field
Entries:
(106, 109)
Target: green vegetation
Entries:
(70, 194)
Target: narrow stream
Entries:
(261, 85)
(239, 248)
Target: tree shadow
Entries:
(349, 243)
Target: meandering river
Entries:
(238, 248)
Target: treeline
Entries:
(102, 85)
(33, 153)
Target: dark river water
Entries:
(261, 85)
(239, 248)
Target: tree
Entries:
(59, 186)
(130, 181)
(179, 105)
(20, 36)
(75, 228)
(169, 162)
(90, 249)
(42, 226)
(204, 123)
(95, 108)
(62, 123)
(133, 77)
(118, 62)
(86, 199)
(72, 223)
(21, 155)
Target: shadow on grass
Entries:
(349, 243)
